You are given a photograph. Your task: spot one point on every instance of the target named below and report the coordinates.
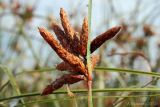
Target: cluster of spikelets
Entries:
(72, 49)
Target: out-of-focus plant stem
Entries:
(12, 81)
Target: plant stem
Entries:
(121, 70)
(12, 81)
(152, 89)
(90, 103)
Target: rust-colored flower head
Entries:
(72, 49)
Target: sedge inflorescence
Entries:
(71, 47)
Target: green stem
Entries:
(120, 70)
(155, 89)
(104, 69)
(84, 97)
(12, 81)
(90, 102)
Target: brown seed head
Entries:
(66, 25)
(99, 40)
(68, 57)
(71, 48)
(84, 38)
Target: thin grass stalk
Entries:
(121, 70)
(99, 69)
(100, 78)
(75, 104)
(12, 81)
(90, 102)
(84, 97)
(152, 89)
(101, 85)
(4, 85)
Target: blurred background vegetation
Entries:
(24, 54)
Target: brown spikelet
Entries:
(72, 48)
(75, 44)
(84, 38)
(63, 66)
(60, 35)
(74, 61)
(49, 89)
(58, 83)
(99, 40)
(71, 35)
(66, 25)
